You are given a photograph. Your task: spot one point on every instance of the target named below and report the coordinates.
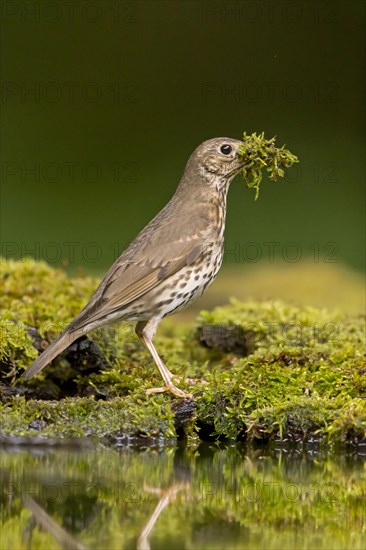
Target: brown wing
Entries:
(128, 282)
(160, 250)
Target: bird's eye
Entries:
(226, 149)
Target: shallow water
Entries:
(205, 497)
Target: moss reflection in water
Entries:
(238, 497)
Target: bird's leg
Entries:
(145, 330)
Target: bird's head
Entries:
(214, 162)
(216, 159)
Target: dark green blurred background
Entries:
(103, 102)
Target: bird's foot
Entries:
(172, 389)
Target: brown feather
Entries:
(116, 294)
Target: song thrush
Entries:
(170, 263)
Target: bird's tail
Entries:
(62, 342)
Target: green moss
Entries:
(41, 296)
(305, 377)
(258, 154)
(302, 374)
(134, 416)
(16, 346)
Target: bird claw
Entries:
(172, 389)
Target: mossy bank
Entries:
(263, 370)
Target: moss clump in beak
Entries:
(258, 153)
